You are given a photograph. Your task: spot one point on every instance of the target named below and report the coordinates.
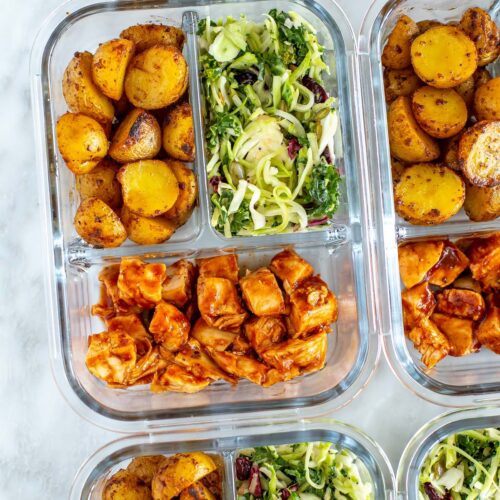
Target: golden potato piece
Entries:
(109, 64)
(178, 134)
(397, 169)
(98, 225)
(479, 154)
(188, 193)
(125, 486)
(450, 153)
(149, 187)
(179, 472)
(427, 24)
(481, 76)
(145, 467)
(466, 90)
(138, 137)
(441, 113)
(156, 77)
(82, 142)
(482, 203)
(428, 194)
(407, 140)
(482, 30)
(101, 183)
(81, 93)
(443, 56)
(197, 491)
(146, 230)
(459, 332)
(399, 82)
(487, 100)
(147, 35)
(396, 53)
(417, 259)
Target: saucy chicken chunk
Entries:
(211, 337)
(484, 254)
(175, 378)
(222, 266)
(430, 342)
(179, 283)
(488, 332)
(169, 326)
(241, 365)
(461, 303)
(264, 332)
(417, 259)
(451, 264)
(291, 269)
(418, 303)
(262, 294)
(459, 332)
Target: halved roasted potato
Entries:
(427, 24)
(396, 54)
(138, 137)
(482, 203)
(197, 491)
(178, 134)
(481, 76)
(479, 153)
(149, 187)
(126, 486)
(109, 65)
(466, 90)
(146, 230)
(400, 82)
(98, 225)
(417, 259)
(428, 194)
(407, 140)
(147, 35)
(397, 169)
(450, 152)
(156, 77)
(145, 467)
(443, 56)
(82, 142)
(188, 193)
(487, 100)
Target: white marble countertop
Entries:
(42, 441)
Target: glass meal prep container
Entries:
(466, 381)
(90, 479)
(340, 253)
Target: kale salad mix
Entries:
(269, 125)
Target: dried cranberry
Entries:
(320, 94)
(293, 487)
(318, 222)
(243, 466)
(214, 182)
(328, 156)
(285, 494)
(245, 77)
(433, 494)
(293, 148)
(254, 486)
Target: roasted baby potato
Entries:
(441, 113)
(397, 169)
(98, 225)
(443, 56)
(109, 64)
(188, 193)
(459, 332)
(427, 24)
(400, 82)
(101, 183)
(478, 153)
(156, 77)
(407, 140)
(466, 90)
(147, 35)
(482, 30)
(138, 137)
(146, 230)
(196, 491)
(482, 203)
(145, 467)
(450, 153)
(149, 187)
(396, 54)
(487, 100)
(126, 486)
(178, 135)
(82, 142)
(417, 259)
(81, 93)
(428, 194)
(481, 76)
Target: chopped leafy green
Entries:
(322, 191)
(224, 124)
(293, 48)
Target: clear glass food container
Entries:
(90, 479)
(429, 435)
(459, 382)
(341, 253)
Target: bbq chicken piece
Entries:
(175, 378)
(291, 269)
(312, 306)
(459, 332)
(417, 259)
(488, 332)
(461, 303)
(452, 263)
(430, 342)
(275, 376)
(262, 294)
(241, 346)
(169, 326)
(418, 303)
(467, 282)
(484, 254)
(222, 266)
(179, 283)
(129, 323)
(148, 363)
(264, 332)
(219, 303)
(140, 283)
(212, 338)
(241, 365)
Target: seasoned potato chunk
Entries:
(481, 76)
(147, 35)
(210, 337)
(126, 486)
(146, 230)
(265, 331)
(418, 304)
(459, 332)
(430, 342)
(452, 263)
(428, 194)
(197, 491)
(396, 54)
(417, 259)
(443, 56)
(450, 153)
(484, 254)
(487, 100)
(145, 467)
(427, 24)
(461, 303)
(482, 203)
(399, 82)
(222, 266)
(262, 294)
(175, 378)
(488, 332)
(397, 169)
(178, 133)
(179, 283)
(241, 365)
(466, 90)
(291, 269)
(169, 326)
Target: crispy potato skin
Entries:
(397, 169)
(178, 134)
(196, 491)
(101, 183)
(478, 153)
(396, 54)
(441, 113)
(126, 486)
(98, 225)
(81, 93)
(82, 142)
(109, 64)
(146, 230)
(145, 467)
(147, 35)
(427, 24)
(400, 82)
(408, 141)
(482, 30)
(138, 137)
(481, 76)
(156, 77)
(450, 152)
(428, 194)
(482, 203)
(487, 100)
(443, 56)
(466, 90)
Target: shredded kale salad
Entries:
(463, 466)
(302, 471)
(269, 125)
